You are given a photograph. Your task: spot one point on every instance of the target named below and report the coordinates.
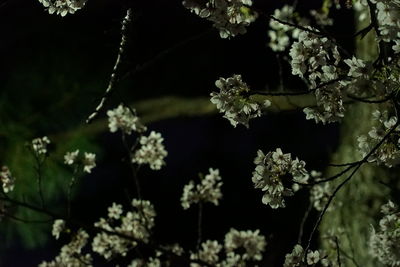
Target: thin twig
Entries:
(69, 192)
(133, 169)
(321, 85)
(303, 221)
(199, 225)
(111, 84)
(338, 251)
(297, 26)
(38, 169)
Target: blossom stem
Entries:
(303, 221)
(39, 177)
(132, 167)
(199, 225)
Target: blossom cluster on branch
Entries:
(230, 17)
(63, 7)
(230, 100)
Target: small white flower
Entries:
(312, 257)
(6, 179)
(152, 151)
(208, 252)
(295, 257)
(209, 190)
(58, 227)
(122, 118)
(39, 145)
(70, 157)
(252, 242)
(115, 211)
(358, 68)
(89, 162)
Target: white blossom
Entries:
(313, 257)
(136, 224)
(251, 241)
(71, 254)
(58, 227)
(39, 145)
(314, 58)
(7, 179)
(230, 17)
(208, 253)
(320, 194)
(388, 18)
(63, 7)
(231, 100)
(122, 118)
(388, 152)
(70, 157)
(152, 151)
(329, 105)
(209, 190)
(384, 243)
(89, 162)
(115, 211)
(269, 172)
(294, 258)
(358, 68)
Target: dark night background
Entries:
(53, 71)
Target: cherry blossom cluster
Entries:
(208, 190)
(88, 161)
(388, 18)
(281, 34)
(63, 7)
(314, 58)
(387, 153)
(329, 105)
(136, 224)
(296, 258)
(39, 145)
(71, 254)
(230, 17)
(270, 172)
(232, 100)
(7, 179)
(152, 151)
(361, 82)
(240, 248)
(384, 243)
(320, 194)
(122, 118)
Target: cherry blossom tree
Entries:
(357, 221)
